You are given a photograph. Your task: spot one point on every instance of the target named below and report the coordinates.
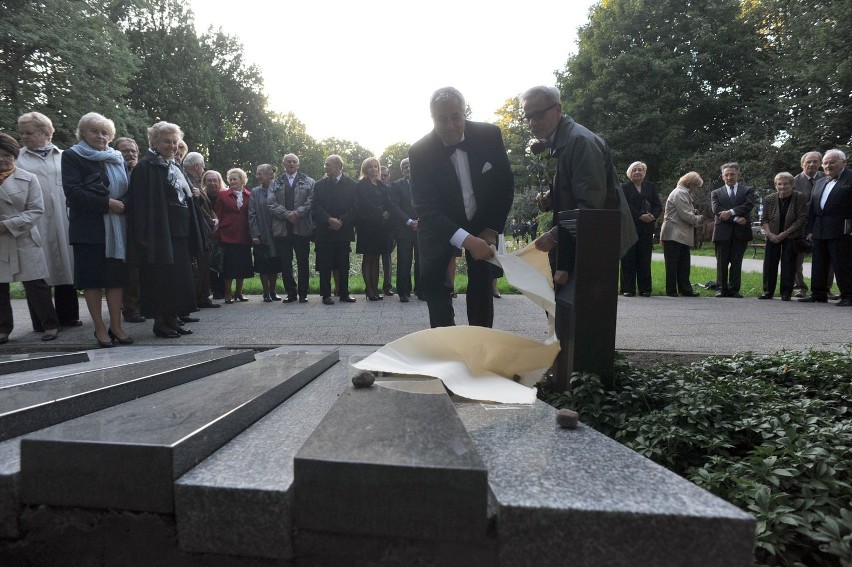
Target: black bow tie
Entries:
(460, 146)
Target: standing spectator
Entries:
(193, 166)
(44, 160)
(643, 199)
(784, 216)
(678, 235)
(167, 228)
(585, 177)
(829, 228)
(525, 232)
(372, 224)
(213, 185)
(462, 186)
(291, 197)
(516, 231)
(405, 228)
(266, 262)
(130, 297)
(232, 207)
(804, 183)
(387, 284)
(534, 228)
(732, 204)
(334, 212)
(94, 178)
(23, 259)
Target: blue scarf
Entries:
(115, 225)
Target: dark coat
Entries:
(402, 209)
(797, 214)
(828, 223)
(86, 209)
(437, 194)
(335, 201)
(640, 202)
(742, 207)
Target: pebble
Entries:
(567, 419)
(363, 379)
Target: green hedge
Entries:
(770, 434)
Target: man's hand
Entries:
(478, 248)
(545, 242)
(413, 224)
(647, 217)
(292, 216)
(116, 207)
(725, 215)
(561, 277)
(255, 240)
(334, 224)
(488, 236)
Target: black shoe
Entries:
(389, 291)
(4, 340)
(833, 297)
(274, 297)
(103, 344)
(242, 298)
(691, 294)
(267, 299)
(48, 336)
(348, 299)
(671, 294)
(737, 295)
(765, 296)
(327, 301)
(799, 294)
(182, 331)
(289, 299)
(812, 299)
(115, 339)
(303, 300)
(134, 319)
(628, 294)
(229, 301)
(454, 294)
(170, 334)
(644, 294)
(77, 323)
(179, 322)
(374, 297)
(721, 294)
(210, 305)
(785, 298)
(188, 319)
(841, 303)
(403, 299)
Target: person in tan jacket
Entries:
(678, 234)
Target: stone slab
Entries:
(36, 361)
(577, 495)
(386, 462)
(35, 405)
(129, 456)
(237, 501)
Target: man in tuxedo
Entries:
(462, 189)
(585, 175)
(333, 211)
(405, 230)
(804, 184)
(732, 204)
(829, 228)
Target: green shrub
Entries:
(770, 434)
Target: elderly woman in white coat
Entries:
(21, 256)
(678, 235)
(44, 160)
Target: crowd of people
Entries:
(157, 235)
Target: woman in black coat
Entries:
(372, 224)
(643, 199)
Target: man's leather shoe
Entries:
(833, 297)
(785, 298)
(326, 301)
(721, 294)
(76, 323)
(628, 294)
(210, 305)
(189, 319)
(693, 294)
(348, 299)
(812, 299)
(288, 299)
(303, 300)
(841, 303)
(736, 295)
(799, 294)
(389, 291)
(644, 294)
(267, 299)
(403, 299)
(135, 319)
(274, 297)
(765, 296)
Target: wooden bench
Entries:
(755, 245)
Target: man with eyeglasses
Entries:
(585, 175)
(462, 188)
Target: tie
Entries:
(811, 181)
(460, 146)
(732, 194)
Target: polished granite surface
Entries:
(10, 363)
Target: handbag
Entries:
(802, 246)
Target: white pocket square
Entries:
(486, 167)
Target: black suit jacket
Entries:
(437, 193)
(402, 209)
(335, 201)
(640, 202)
(742, 206)
(828, 223)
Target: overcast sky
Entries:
(366, 73)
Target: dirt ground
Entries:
(646, 359)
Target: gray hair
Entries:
(160, 128)
(95, 119)
(38, 120)
(192, 159)
(784, 175)
(839, 153)
(118, 141)
(804, 157)
(290, 155)
(337, 158)
(444, 94)
(731, 165)
(550, 94)
(267, 168)
(403, 162)
(636, 164)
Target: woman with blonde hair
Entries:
(94, 179)
(167, 228)
(372, 224)
(678, 235)
(232, 208)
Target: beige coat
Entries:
(53, 224)
(21, 256)
(679, 218)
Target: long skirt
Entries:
(168, 289)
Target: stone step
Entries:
(40, 403)
(392, 460)
(10, 363)
(129, 456)
(237, 501)
(576, 495)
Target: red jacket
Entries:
(233, 221)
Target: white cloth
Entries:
(826, 192)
